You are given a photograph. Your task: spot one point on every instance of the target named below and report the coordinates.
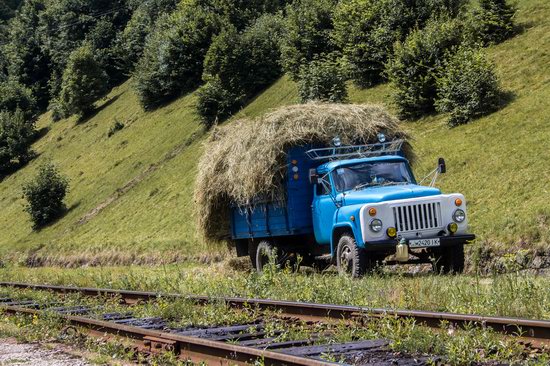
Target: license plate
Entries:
(424, 243)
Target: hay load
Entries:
(246, 159)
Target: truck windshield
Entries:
(370, 174)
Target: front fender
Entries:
(347, 219)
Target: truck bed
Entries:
(291, 217)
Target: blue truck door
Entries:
(323, 209)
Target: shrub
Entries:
(323, 79)
(117, 126)
(308, 33)
(84, 81)
(16, 135)
(174, 54)
(468, 87)
(413, 70)
(14, 96)
(45, 195)
(493, 21)
(215, 103)
(366, 30)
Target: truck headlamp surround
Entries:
(376, 225)
(459, 215)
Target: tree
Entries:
(26, 61)
(16, 135)
(308, 33)
(172, 62)
(366, 30)
(215, 103)
(493, 21)
(15, 96)
(323, 79)
(238, 65)
(66, 24)
(468, 86)
(45, 195)
(131, 41)
(84, 81)
(413, 70)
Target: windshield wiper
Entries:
(365, 185)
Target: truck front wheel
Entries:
(351, 260)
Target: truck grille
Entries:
(417, 217)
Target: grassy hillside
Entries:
(131, 194)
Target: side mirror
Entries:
(313, 177)
(442, 167)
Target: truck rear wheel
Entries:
(450, 260)
(350, 259)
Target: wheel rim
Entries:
(346, 259)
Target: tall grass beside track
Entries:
(500, 162)
(515, 294)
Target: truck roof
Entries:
(327, 167)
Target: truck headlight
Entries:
(459, 215)
(376, 225)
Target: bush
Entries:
(237, 66)
(215, 103)
(14, 96)
(16, 135)
(84, 81)
(366, 30)
(308, 33)
(493, 21)
(413, 70)
(174, 54)
(45, 195)
(117, 126)
(468, 87)
(323, 79)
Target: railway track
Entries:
(246, 343)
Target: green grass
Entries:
(515, 294)
(499, 162)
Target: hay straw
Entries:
(246, 159)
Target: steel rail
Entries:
(533, 330)
(187, 348)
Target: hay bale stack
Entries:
(246, 159)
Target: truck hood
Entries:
(388, 193)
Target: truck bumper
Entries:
(446, 241)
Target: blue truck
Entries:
(355, 207)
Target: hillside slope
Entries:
(131, 194)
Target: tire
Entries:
(350, 259)
(450, 260)
(263, 252)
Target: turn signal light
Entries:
(458, 202)
(372, 211)
(453, 227)
(392, 232)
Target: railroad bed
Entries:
(247, 343)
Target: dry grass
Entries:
(246, 159)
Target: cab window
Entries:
(324, 187)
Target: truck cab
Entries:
(365, 208)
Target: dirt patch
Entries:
(16, 354)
